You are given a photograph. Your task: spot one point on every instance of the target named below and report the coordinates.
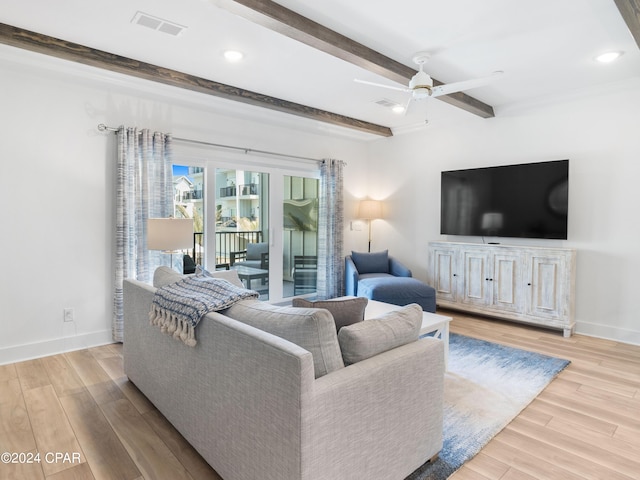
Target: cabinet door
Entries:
(546, 286)
(443, 269)
(507, 282)
(477, 277)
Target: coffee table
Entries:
(431, 322)
(249, 273)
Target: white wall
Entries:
(596, 130)
(57, 183)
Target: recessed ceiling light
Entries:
(608, 57)
(398, 109)
(233, 55)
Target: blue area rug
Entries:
(487, 385)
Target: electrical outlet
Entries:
(68, 314)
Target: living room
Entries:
(58, 179)
(68, 190)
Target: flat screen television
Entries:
(527, 200)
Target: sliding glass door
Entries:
(299, 236)
(188, 202)
(242, 225)
(257, 215)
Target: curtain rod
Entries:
(104, 128)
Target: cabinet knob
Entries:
(455, 274)
(528, 284)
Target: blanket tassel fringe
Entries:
(173, 325)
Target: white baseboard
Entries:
(30, 351)
(608, 332)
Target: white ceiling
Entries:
(546, 48)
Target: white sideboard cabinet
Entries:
(528, 284)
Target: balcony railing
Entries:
(226, 242)
(240, 190)
(188, 195)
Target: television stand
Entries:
(534, 285)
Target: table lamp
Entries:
(170, 235)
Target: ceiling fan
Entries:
(421, 84)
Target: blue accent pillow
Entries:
(377, 262)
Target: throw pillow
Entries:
(377, 262)
(230, 276)
(371, 337)
(345, 310)
(313, 330)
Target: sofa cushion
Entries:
(249, 263)
(377, 262)
(230, 276)
(255, 250)
(311, 328)
(164, 276)
(371, 337)
(345, 310)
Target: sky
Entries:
(180, 170)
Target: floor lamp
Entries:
(170, 235)
(370, 210)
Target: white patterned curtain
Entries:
(144, 189)
(331, 230)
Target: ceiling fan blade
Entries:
(406, 106)
(390, 87)
(412, 127)
(464, 85)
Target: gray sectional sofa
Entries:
(256, 405)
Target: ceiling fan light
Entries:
(421, 80)
(421, 92)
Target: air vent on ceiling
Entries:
(386, 103)
(155, 23)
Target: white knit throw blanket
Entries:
(177, 308)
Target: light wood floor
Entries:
(585, 425)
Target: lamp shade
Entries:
(169, 234)
(370, 209)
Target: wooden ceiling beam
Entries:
(55, 47)
(630, 11)
(293, 25)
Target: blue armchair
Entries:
(377, 276)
